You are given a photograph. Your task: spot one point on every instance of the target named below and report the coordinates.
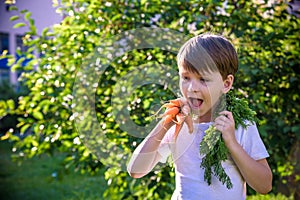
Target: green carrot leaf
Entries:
(213, 146)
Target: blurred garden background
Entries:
(47, 152)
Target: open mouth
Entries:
(195, 102)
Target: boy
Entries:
(207, 64)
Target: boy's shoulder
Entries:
(248, 133)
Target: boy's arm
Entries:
(256, 173)
(145, 157)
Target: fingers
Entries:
(188, 120)
(226, 125)
(183, 101)
(186, 110)
(180, 118)
(225, 121)
(227, 114)
(173, 114)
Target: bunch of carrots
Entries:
(178, 111)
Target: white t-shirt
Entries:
(190, 183)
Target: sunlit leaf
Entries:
(18, 25)
(38, 115)
(13, 18)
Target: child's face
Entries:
(203, 91)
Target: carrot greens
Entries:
(213, 146)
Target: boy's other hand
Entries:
(226, 125)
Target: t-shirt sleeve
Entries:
(164, 149)
(252, 142)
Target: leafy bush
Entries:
(10, 94)
(78, 102)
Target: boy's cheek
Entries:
(213, 96)
(182, 86)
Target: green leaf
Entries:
(3, 109)
(15, 67)
(24, 128)
(31, 22)
(45, 31)
(296, 129)
(11, 8)
(33, 29)
(11, 61)
(23, 11)
(18, 25)
(34, 143)
(4, 54)
(13, 18)
(27, 15)
(38, 115)
(11, 104)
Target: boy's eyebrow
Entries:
(186, 72)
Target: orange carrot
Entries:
(172, 111)
(189, 122)
(168, 119)
(180, 118)
(178, 112)
(177, 130)
(179, 123)
(176, 102)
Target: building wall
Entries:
(44, 15)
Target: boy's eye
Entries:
(185, 78)
(203, 80)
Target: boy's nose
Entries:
(193, 87)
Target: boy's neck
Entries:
(202, 119)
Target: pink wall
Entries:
(43, 13)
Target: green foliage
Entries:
(243, 115)
(267, 40)
(8, 103)
(211, 163)
(213, 146)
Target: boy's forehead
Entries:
(183, 70)
(197, 64)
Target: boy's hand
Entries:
(186, 110)
(177, 111)
(225, 124)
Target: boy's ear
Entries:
(228, 83)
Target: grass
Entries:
(269, 197)
(38, 178)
